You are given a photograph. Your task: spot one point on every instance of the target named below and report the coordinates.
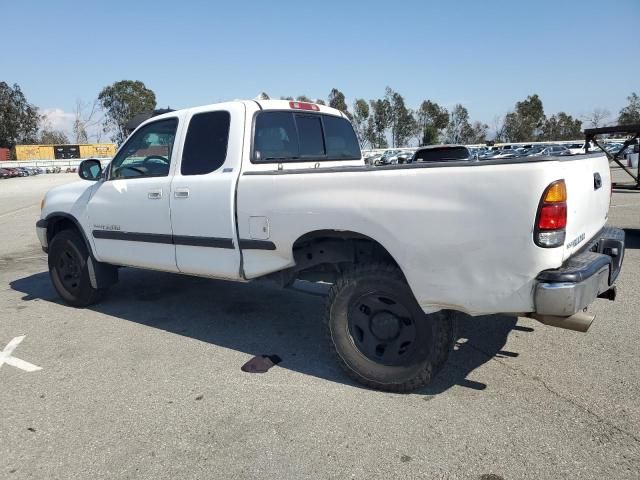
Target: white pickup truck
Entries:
(277, 189)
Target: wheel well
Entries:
(60, 223)
(56, 225)
(322, 254)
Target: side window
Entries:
(147, 153)
(205, 148)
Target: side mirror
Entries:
(90, 169)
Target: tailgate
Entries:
(588, 181)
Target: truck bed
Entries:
(462, 232)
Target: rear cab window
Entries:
(285, 136)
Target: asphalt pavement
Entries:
(149, 385)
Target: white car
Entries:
(575, 148)
(276, 189)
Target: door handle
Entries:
(155, 194)
(181, 193)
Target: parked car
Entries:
(389, 157)
(441, 153)
(371, 158)
(575, 148)
(404, 249)
(510, 153)
(4, 173)
(556, 150)
(404, 156)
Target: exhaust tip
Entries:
(578, 322)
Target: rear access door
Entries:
(203, 192)
(588, 181)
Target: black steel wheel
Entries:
(379, 334)
(382, 328)
(69, 269)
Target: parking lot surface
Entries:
(148, 383)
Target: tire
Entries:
(69, 272)
(379, 334)
(449, 335)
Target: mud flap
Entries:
(101, 275)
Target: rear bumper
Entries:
(583, 277)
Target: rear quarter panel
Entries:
(463, 236)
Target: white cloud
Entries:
(58, 119)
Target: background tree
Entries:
(304, 98)
(86, 118)
(598, 118)
(525, 122)
(48, 136)
(360, 120)
(479, 132)
(121, 102)
(459, 130)
(287, 98)
(631, 113)
(402, 122)
(337, 100)
(499, 129)
(561, 127)
(432, 119)
(19, 119)
(381, 120)
(319, 101)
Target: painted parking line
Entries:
(7, 357)
(17, 210)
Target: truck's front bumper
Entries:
(41, 231)
(583, 277)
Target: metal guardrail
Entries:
(48, 163)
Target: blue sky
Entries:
(577, 55)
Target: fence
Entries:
(48, 163)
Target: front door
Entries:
(129, 214)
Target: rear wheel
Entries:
(69, 271)
(379, 333)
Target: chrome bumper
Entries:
(585, 276)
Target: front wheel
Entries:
(380, 335)
(69, 270)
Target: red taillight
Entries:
(551, 219)
(553, 216)
(304, 106)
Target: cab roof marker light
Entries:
(304, 106)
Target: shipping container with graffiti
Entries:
(64, 152)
